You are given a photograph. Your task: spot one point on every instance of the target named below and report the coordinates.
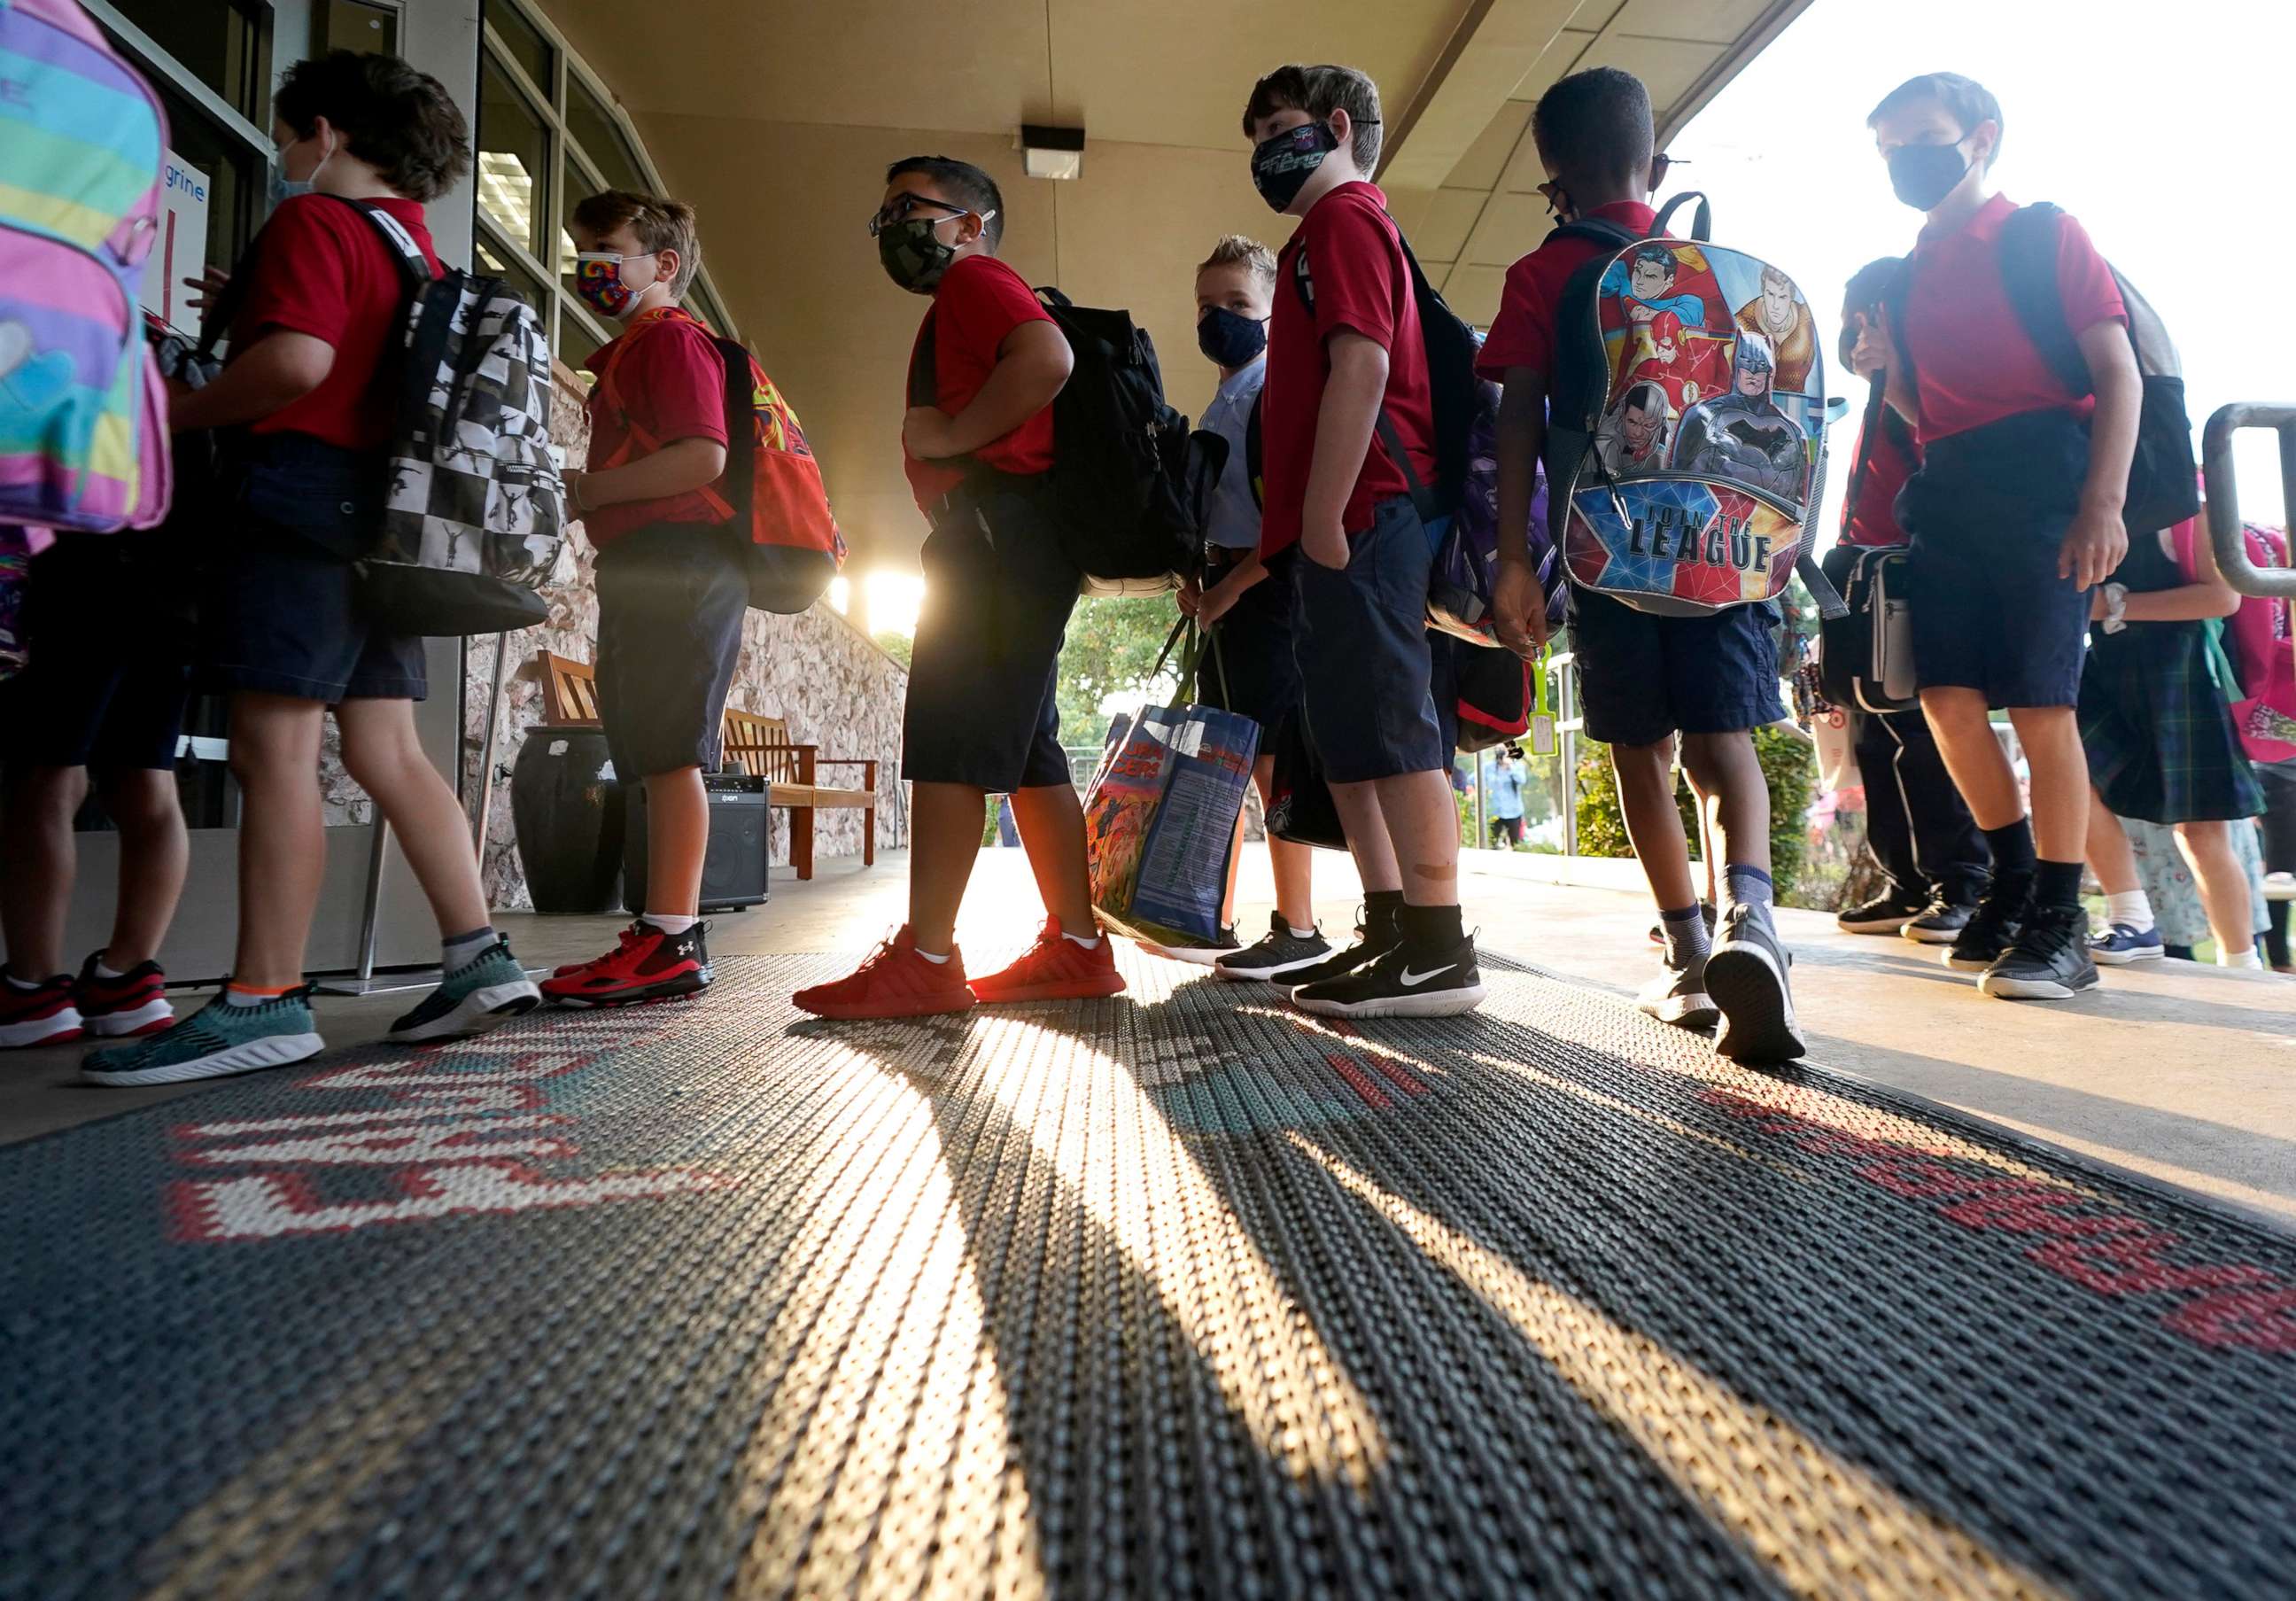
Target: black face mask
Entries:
(1227, 339)
(1922, 175)
(1282, 166)
(913, 255)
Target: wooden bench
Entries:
(760, 744)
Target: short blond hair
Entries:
(660, 223)
(1234, 250)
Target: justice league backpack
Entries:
(1685, 445)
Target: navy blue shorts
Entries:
(671, 599)
(1644, 678)
(984, 670)
(280, 610)
(1256, 675)
(1987, 511)
(1360, 640)
(110, 658)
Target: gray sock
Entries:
(1688, 940)
(1749, 886)
(458, 951)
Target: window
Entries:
(224, 44)
(549, 136)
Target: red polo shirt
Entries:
(1523, 334)
(1869, 517)
(1348, 255)
(322, 269)
(978, 301)
(662, 379)
(1974, 364)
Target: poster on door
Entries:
(180, 250)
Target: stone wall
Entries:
(815, 671)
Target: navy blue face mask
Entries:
(1281, 166)
(1230, 341)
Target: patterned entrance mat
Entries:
(1180, 1293)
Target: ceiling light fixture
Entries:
(1052, 152)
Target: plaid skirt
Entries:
(2160, 736)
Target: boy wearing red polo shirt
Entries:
(981, 719)
(2015, 516)
(672, 592)
(1348, 420)
(309, 393)
(1644, 679)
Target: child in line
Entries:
(1349, 419)
(1250, 616)
(1645, 680)
(981, 718)
(308, 393)
(672, 590)
(2015, 517)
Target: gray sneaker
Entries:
(1747, 977)
(1678, 995)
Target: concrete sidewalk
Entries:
(2185, 1074)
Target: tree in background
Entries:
(1110, 648)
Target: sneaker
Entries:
(1747, 976)
(1940, 922)
(1884, 915)
(1991, 929)
(894, 981)
(42, 1016)
(1200, 955)
(2049, 961)
(484, 992)
(1678, 995)
(1706, 909)
(1401, 983)
(127, 1007)
(2280, 886)
(2124, 943)
(1054, 968)
(1368, 947)
(215, 1041)
(1279, 954)
(648, 965)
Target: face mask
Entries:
(1282, 166)
(1229, 340)
(913, 255)
(598, 279)
(1923, 174)
(284, 189)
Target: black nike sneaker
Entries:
(1407, 981)
(1374, 938)
(2048, 961)
(1941, 921)
(1991, 930)
(1279, 953)
(1886, 914)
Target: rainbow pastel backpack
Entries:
(83, 420)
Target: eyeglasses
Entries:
(900, 209)
(580, 255)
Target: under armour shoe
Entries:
(894, 981)
(1200, 955)
(1885, 914)
(2048, 961)
(1991, 929)
(215, 1042)
(1054, 968)
(1279, 954)
(1406, 981)
(1371, 943)
(1940, 922)
(483, 993)
(127, 1007)
(2124, 943)
(42, 1015)
(648, 965)
(1748, 977)
(1678, 995)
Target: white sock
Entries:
(938, 961)
(669, 925)
(20, 985)
(1091, 944)
(463, 950)
(105, 970)
(2130, 907)
(1302, 933)
(2247, 959)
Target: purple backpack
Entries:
(1467, 546)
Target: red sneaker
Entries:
(41, 1016)
(895, 981)
(648, 965)
(1054, 968)
(127, 1007)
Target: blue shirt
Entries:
(1233, 515)
(1506, 790)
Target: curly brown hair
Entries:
(400, 122)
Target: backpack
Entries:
(1671, 488)
(475, 515)
(1496, 697)
(794, 547)
(2162, 476)
(1119, 483)
(83, 414)
(1865, 659)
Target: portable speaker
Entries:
(732, 870)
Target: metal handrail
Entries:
(2224, 493)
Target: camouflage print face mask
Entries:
(913, 257)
